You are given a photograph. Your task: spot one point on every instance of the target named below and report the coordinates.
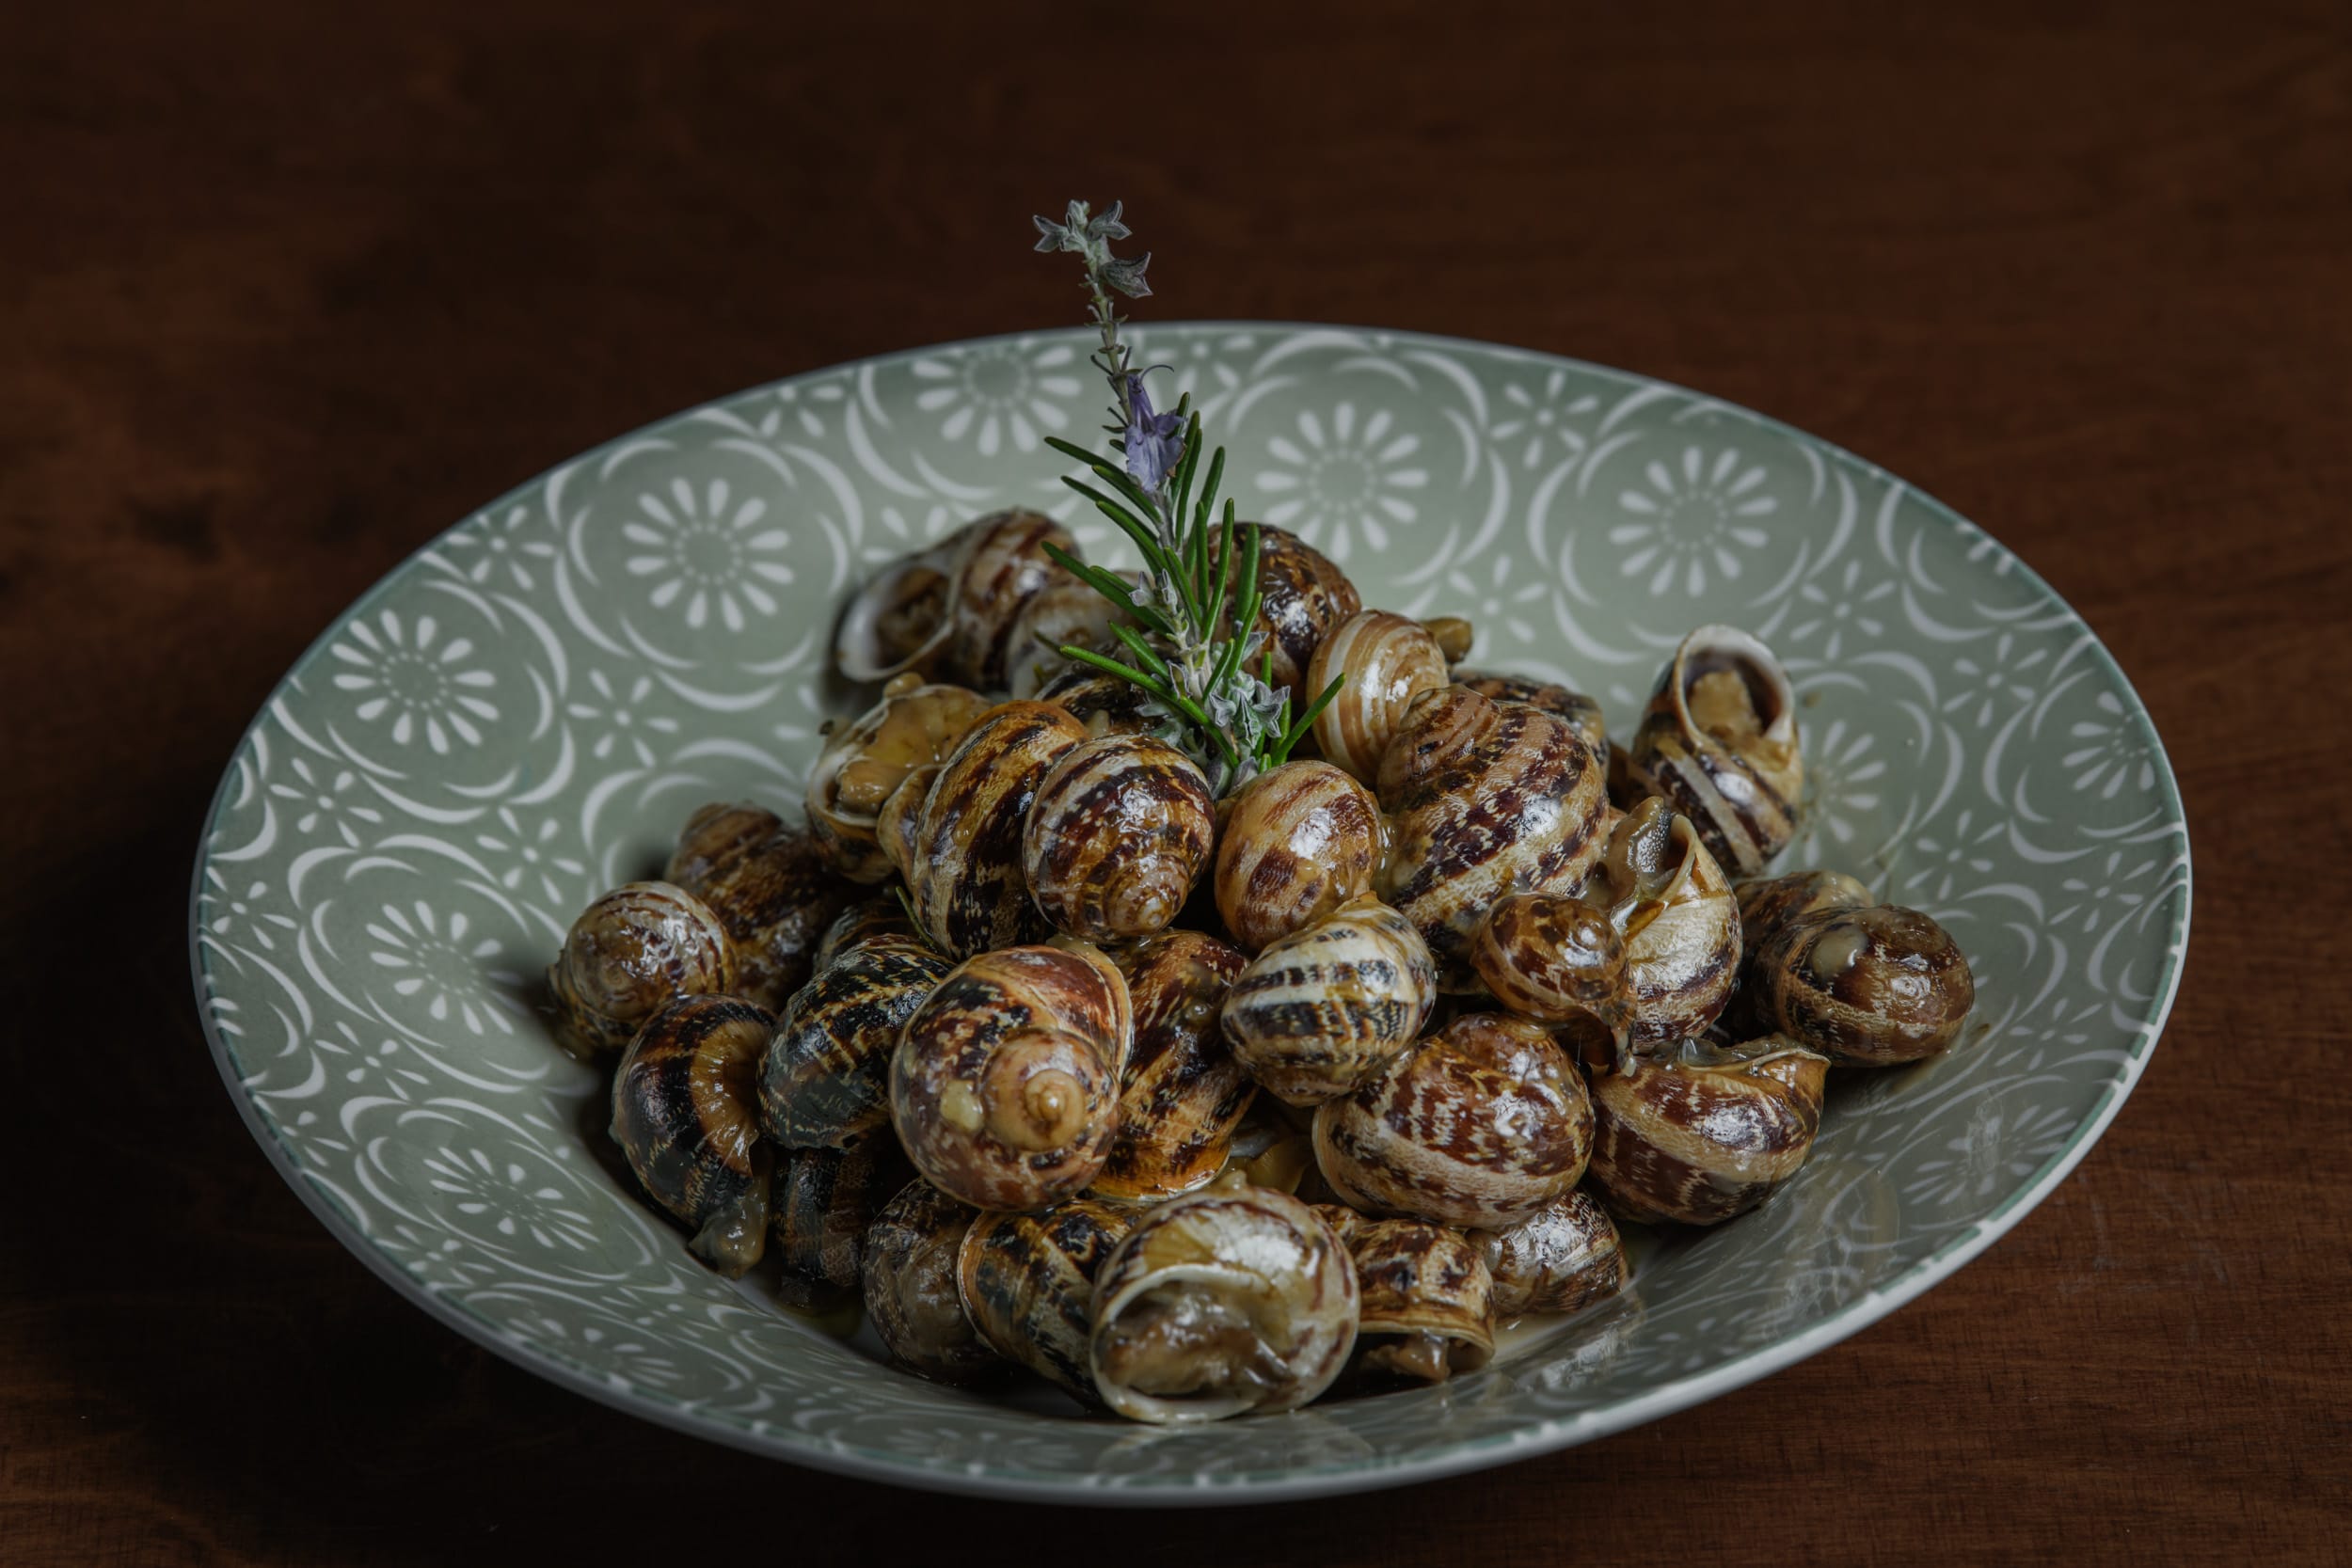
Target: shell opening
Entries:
(898, 619)
(1189, 1345)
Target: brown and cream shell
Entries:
(1872, 986)
(1322, 1009)
(1681, 922)
(1483, 799)
(908, 1269)
(1299, 841)
(1581, 712)
(825, 1200)
(1427, 1309)
(1480, 1125)
(1182, 1093)
(959, 850)
(1103, 703)
(1767, 903)
(1719, 742)
(1005, 1086)
(882, 917)
(1386, 661)
(1068, 611)
(628, 954)
(1700, 1133)
(825, 1080)
(864, 761)
(1228, 1300)
(1121, 830)
(684, 1114)
(947, 610)
(1303, 595)
(1560, 1259)
(1026, 1282)
(775, 895)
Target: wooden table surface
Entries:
(284, 291)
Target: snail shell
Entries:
(1104, 703)
(1182, 1093)
(1871, 986)
(1552, 957)
(684, 1113)
(882, 918)
(1122, 828)
(908, 1270)
(628, 954)
(825, 1081)
(1767, 903)
(1324, 1009)
(1681, 922)
(1581, 712)
(1427, 1308)
(1230, 1299)
(948, 610)
(1485, 799)
(1699, 1134)
(1303, 595)
(1719, 742)
(1005, 1084)
(1027, 1285)
(1067, 611)
(1299, 841)
(1388, 660)
(825, 1200)
(1564, 1256)
(864, 761)
(776, 895)
(716, 835)
(1481, 1124)
(960, 851)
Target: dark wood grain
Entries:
(283, 291)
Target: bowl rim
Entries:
(1540, 1436)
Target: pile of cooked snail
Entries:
(1200, 1106)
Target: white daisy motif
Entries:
(1501, 600)
(405, 675)
(618, 719)
(2115, 752)
(501, 551)
(433, 959)
(531, 855)
(1536, 422)
(511, 1199)
(319, 796)
(1957, 860)
(1000, 391)
(1343, 479)
(1842, 771)
(1691, 516)
(1834, 612)
(241, 914)
(902, 533)
(1197, 365)
(2107, 887)
(708, 549)
(2002, 1146)
(376, 1069)
(1995, 682)
(803, 407)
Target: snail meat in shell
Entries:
(1427, 1299)
(1066, 612)
(1700, 1133)
(1006, 1081)
(1719, 742)
(1562, 1258)
(1230, 1299)
(825, 1199)
(1182, 1093)
(1119, 832)
(684, 1112)
(628, 954)
(1298, 842)
(1872, 986)
(825, 1081)
(1681, 922)
(775, 895)
(1026, 1282)
(1480, 1125)
(1327, 1007)
(864, 761)
(907, 1268)
(947, 610)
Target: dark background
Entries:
(284, 290)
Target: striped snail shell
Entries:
(1481, 1124)
(684, 1112)
(626, 955)
(1681, 922)
(1872, 986)
(1121, 830)
(907, 1268)
(1182, 1093)
(1483, 799)
(1554, 958)
(1702, 1133)
(1026, 1282)
(947, 610)
(718, 834)
(1326, 1008)
(1299, 841)
(1103, 703)
(1719, 741)
(1767, 903)
(960, 851)
(1302, 596)
(880, 918)
(1388, 660)
(1581, 712)
(863, 761)
(1228, 1300)
(1067, 611)
(825, 1199)
(825, 1081)
(1428, 1309)
(776, 895)
(1562, 1258)
(1005, 1084)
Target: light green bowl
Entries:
(522, 714)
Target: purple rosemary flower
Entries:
(1155, 442)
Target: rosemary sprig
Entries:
(1198, 616)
